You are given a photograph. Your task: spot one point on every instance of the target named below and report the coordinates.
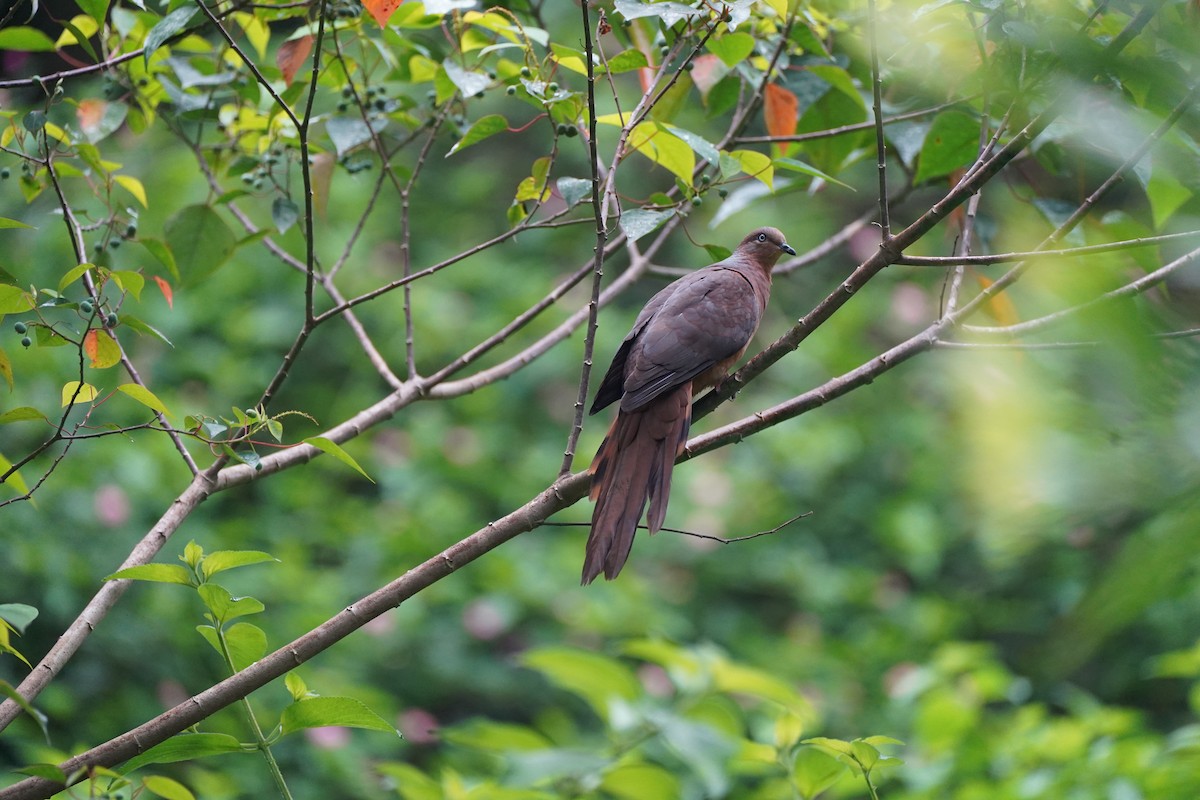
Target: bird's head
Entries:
(765, 246)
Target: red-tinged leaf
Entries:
(707, 71)
(101, 349)
(382, 10)
(782, 111)
(291, 56)
(89, 112)
(165, 288)
(322, 177)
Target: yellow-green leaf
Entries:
(134, 187)
(666, 149)
(166, 787)
(102, 350)
(756, 165)
(73, 274)
(144, 396)
(76, 392)
(334, 449)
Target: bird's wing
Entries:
(708, 318)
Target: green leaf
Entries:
(50, 772)
(167, 28)
(319, 712)
(156, 573)
(246, 642)
(626, 61)
(144, 396)
(793, 165)
(284, 213)
(5, 222)
(22, 414)
(141, 327)
(29, 40)
(296, 686)
(74, 274)
(573, 190)
(738, 678)
(129, 281)
(162, 253)
(732, 48)
(186, 747)
(96, 9)
(18, 615)
(952, 143)
(224, 606)
(14, 480)
(1166, 195)
(166, 787)
(595, 678)
(332, 448)
(14, 300)
(838, 747)
(637, 222)
(864, 754)
(635, 781)
(814, 771)
(484, 734)
(480, 130)
(221, 560)
(704, 148)
(469, 82)
(200, 241)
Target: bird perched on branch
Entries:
(684, 341)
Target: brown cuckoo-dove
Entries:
(684, 341)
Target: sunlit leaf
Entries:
(143, 396)
(76, 392)
(133, 186)
(155, 573)
(23, 39)
(221, 560)
(596, 678)
(319, 712)
(22, 414)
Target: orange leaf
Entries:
(165, 288)
(292, 55)
(999, 306)
(381, 10)
(782, 111)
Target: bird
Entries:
(684, 341)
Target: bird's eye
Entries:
(762, 237)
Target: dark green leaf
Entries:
(284, 214)
(200, 241)
(480, 130)
(952, 143)
(573, 190)
(168, 27)
(34, 121)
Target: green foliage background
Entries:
(999, 569)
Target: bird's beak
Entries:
(787, 248)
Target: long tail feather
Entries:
(633, 466)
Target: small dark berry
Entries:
(130, 231)
(561, 129)
(662, 51)
(26, 342)
(526, 72)
(511, 90)
(98, 247)
(20, 327)
(571, 131)
(85, 307)
(114, 243)
(697, 200)
(723, 193)
(5, 173)
(347, 92)
(111, 320)
(342, 107)
(552, 87)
